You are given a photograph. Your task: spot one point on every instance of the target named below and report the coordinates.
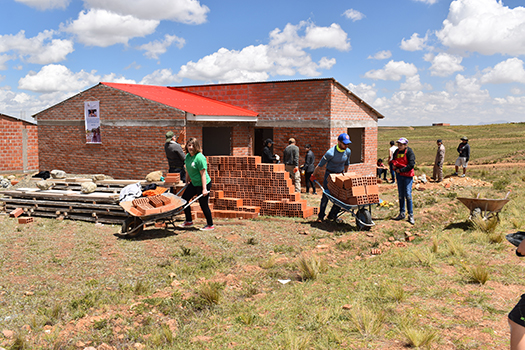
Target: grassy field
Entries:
(276, 283)
(489, 144)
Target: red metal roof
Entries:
(183, 100)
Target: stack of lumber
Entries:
(65, 201)
(243, 187)
(353, 189)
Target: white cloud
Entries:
(366, 92)
(484, 26)
(161, 77)
(354, 15)
(381, 55)
(413, 83)
(444, 64)
(103, 28)
(4, 59)
(54, 78)
(184, 11)
(45, 4)
(508, 71)
(286, 54)
(415, 43)
(393, 71)
(41, 49)
(158, 47)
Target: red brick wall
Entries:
(126, 152)
(11, 145)
(302, 101)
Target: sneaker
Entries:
(399, 217)
(455, 174)
(207, 228)
(186, 224)
(411, 219)
(462, 175)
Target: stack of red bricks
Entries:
(152, 205)
(243, 187)
(172, 178)
(353, 189)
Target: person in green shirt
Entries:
(198, 182)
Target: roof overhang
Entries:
(221, 118)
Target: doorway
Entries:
(261, 134)
(216, 141)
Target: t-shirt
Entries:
(335, 161)
(194, 165)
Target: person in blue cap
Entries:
(336, 160)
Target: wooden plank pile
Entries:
(65, 201)
(353, 189)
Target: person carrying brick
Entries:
(404, 161)
(464, 155)
(198, 182)
(336, 160)
(291, 163)
(175, 156)
(437, 174)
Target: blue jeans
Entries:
(392, 173)
(404, 189)
(324, 202)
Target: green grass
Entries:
(489, 143)
(66, 282)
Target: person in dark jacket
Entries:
(403, 162)
(175, 156)
(268, 156)
(464, 156)
(308, 168)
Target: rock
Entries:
(347, 307)
(139, 346)
(88, 187)
(44, 185)
(105, 346)
(58, 174)
(98, 177)
(8, 334)
(154, 176)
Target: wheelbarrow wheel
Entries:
(363, 215)
(132, 226)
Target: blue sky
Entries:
(417, 62)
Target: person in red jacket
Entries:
(403, 162)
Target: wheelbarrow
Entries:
(362, 215)
(134, 224)
(484, 208)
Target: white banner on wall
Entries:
(92, 118)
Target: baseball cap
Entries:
(402, 140)
(169, 135)
(344, 138)
(440, 141)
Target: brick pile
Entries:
(353, 189)
(172, 178)
(243, 187)
(152, 205)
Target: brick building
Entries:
(18, 145)
(229, 119)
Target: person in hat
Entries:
(291, 163)
(336, 160)
(403, 162)
(464, 156)
(175, 156)
(267, 155)
(437, 174)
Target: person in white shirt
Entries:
(391, 151)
